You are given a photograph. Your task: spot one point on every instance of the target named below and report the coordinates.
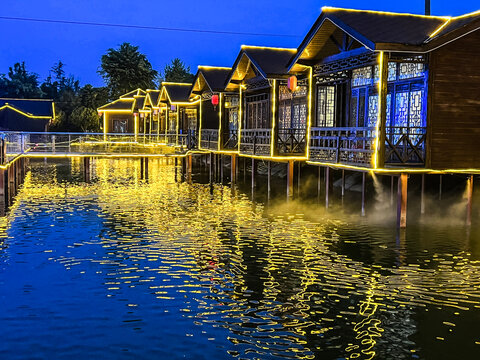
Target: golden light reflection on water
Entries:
(280, 285)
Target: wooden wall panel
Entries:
(454, 119)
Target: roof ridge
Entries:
(267, 47)
(327, 8)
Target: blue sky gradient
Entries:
(40, 45)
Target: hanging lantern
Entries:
(215, 101)
(100, 113)
(155, 112)
(173, 108)
(292, 83)
(135, 114)
(142, 115)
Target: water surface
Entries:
(123, 268)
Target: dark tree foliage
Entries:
(19, 83)
(125, 69)
(177, 71)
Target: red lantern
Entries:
(292, 83)
(100, 113)
(215, 100)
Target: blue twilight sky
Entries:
(40, 45)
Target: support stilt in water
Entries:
(327, 187)
(233, 175)
(469, 199)
(422, 196)
(253, 176)
(343, 183)
(86, 169)
(392, 180)
(2, 192)
(221, 168)
(145, 165)
(298, 179)
(364, 180)
(319, 182)
(176, 169)
(142, 175)
(290, 168)
(189, 168)
(440, 187)
(269, 176)
(402, 201)
(245, 170)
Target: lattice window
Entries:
(416, 109)
(172, 122)
(401, 109)
(354, 109)
(233, 118)
(326, 106)
(258, 112)
(362, 76)
(410, 70)
(372, 110)
(120, 126)
(392, 71)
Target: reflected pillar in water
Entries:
(290, 168)
(343, 183)
(469, 199)
(402, 201)
(253, 176)
(319, 182)
(176, 169)
(364, 179)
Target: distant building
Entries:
(33, 115)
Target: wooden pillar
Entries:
(402, 201)
(383, 63)
(210, 168)
(327, 187)
(440, 187)
(253, 174)
(189, 168)
(469, 199)
(364, 180)
(269, 176)
(290, 168)
(142, 175)
(319, 182)
(221, 168)
(392, 181)
(343, 183)
(145, 164)
(298, 179)
(422, 196)
(233, 170)
(176, 169)
(2, 192)
(86, 169)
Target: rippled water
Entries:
(121, 268)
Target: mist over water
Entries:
(122, 268)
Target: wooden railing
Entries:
(291, 141)
(255, 141)
(209, 139)
(405, 146)
(350, 146)
(231, 142)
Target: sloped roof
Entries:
(213, 77)
(139, 102)
(387, 31)
(177, 92)
(152, 97)
(122, 104)
(32, 107)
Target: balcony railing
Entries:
(255, 141)
(291, 141)
(405, 146)
(232, 142)
(352, 146)
(209, 139)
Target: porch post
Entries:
(382, 109)
(269, 175)
(233, 169)
(327, 186)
